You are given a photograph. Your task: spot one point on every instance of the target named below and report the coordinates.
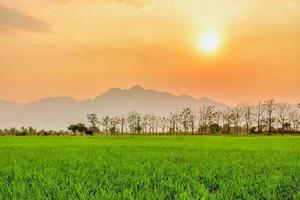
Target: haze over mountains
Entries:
(58, 112)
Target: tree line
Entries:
(244, 118)
(267, 117)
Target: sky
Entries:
(81, 48)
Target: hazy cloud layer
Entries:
(12, 19)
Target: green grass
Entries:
(150, 167)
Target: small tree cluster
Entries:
(31, 132)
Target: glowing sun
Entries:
(209, 43)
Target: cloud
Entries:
(12, 19)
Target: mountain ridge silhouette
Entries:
(58, 112)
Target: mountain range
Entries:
(58, 112)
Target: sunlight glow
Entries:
(209, 43)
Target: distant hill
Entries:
(59, 112)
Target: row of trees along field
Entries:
(245, 118)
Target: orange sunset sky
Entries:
(81, 48)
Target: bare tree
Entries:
(218, 115)
(193, 122)
(210, 112)
(297, 122)
(152, 123)
(294, 119)
(258, 112)
(187, 121)
(157, 123)
(163, 124)
(237, 114)
(93, 120)
(247, 110)
(145, 122)
(114, 125)
(105, 123)
(122, 123)
(282, 112)
(227, 117)
(174, 121)
(270, 107)
(206, 117)
(134, 122)
(202, 120)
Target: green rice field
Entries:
(150, 167)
